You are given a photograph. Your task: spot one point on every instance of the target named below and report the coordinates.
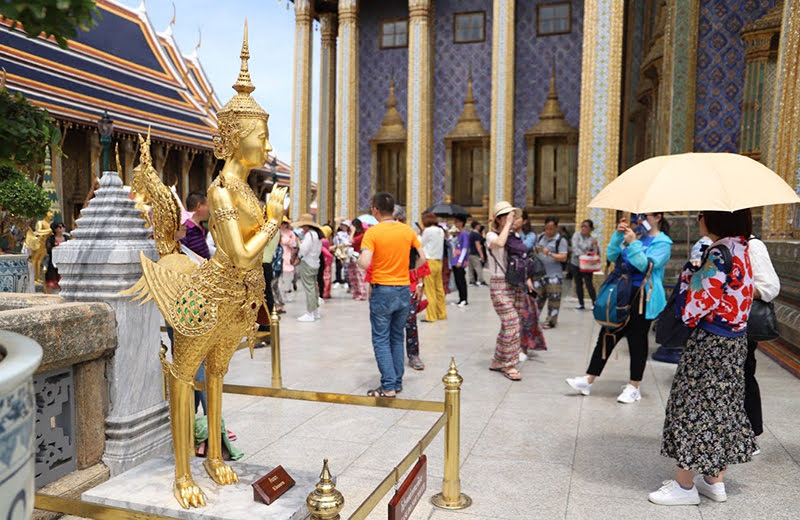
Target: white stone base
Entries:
(148, 489)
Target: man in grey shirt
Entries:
(552, 250)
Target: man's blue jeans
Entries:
(388, 312)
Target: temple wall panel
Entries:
(533, 57)
(451, 70)
(721, 71)
(376, 66)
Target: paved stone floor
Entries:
(529, 449)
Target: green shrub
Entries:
(21, 197)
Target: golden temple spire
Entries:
(551, 118)
(392, 128)
(469, 124)
(243, 84)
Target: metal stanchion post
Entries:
(451, 496)
(325, 502)
(275, 347)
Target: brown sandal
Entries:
(378, 392)
(512, 374)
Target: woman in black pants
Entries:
(767, 286)
(650, 252)
(583, 243)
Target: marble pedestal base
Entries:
(148, 488)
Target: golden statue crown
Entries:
(241, 106)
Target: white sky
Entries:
(271, 35)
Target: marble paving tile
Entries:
(583, 506)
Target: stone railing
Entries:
(78, 339)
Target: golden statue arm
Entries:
(228, 236)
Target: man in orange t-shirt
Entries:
(387, 248)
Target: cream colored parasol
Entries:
(695, 182)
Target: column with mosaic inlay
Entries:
(501, 146)
(347, 111)
(326, 161)
(601, 81)
(419, 161)
(301, 106)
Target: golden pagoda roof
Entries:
(469, 124)
(551, 118)
(771, 20)
(392, 128)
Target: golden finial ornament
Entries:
(116, 152)
(241, 107)
(452, 379)
(213, 305)
(325, 502)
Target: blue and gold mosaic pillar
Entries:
(601, 82)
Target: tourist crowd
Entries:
(714, 411)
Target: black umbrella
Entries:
(448, 210)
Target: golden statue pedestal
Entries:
(143, 489)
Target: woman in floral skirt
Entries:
(706, 427)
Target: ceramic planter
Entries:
(21, 357)
(16, 274)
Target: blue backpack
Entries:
(612, 310)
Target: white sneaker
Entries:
(672, 494)
(715, 492)
(462, 303)
(335, 285)
(306, 318)
(757, 452)
(580, 384)
(320, 301)
(523, 357)
(630, 394)
(317, 314)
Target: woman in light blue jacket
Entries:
(654, 246)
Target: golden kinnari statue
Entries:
(36, 242)
(213, 305)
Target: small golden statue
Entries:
(213, 305)
(35, 241)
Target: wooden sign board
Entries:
(410, 492)
(268, 488)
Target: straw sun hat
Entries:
(503, 207)
(306, 220)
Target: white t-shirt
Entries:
(764, 276)
(310, 249)
(433, 242)
(496, 256)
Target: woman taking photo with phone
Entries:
(652, 247)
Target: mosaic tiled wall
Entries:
(533, 57)
(720, 71)
(376, 66)
(451, 69)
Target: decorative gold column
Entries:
(601, 81)
(347, 111)
(501, 147)
(301, 116)
(684, 19)
(419, 157)
(327, 118)
(186, 160)
(778, 221)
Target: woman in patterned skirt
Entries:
(706, 427)
(507, 349)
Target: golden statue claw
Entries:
(189, 494)
(220, 472)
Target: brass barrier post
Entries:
(451, 496)
(275, 347)
(325, 502)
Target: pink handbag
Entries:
(590, 263)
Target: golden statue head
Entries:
(49, 216)
(242, 122)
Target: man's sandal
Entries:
(378, 392)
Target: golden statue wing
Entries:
(148, 188)
(161, 282)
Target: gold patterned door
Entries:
(392, 170)
(468, 173)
